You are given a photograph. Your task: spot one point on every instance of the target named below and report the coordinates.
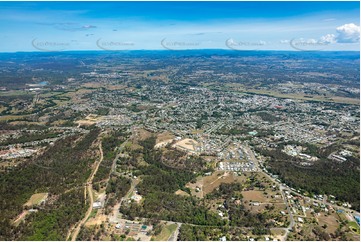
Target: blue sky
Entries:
(53, 26)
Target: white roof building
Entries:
(97, 205)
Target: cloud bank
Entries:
(347, 33)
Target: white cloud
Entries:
(347, 33)
(328, 39)
(305, 41)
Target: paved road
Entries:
(173, 237)
(354, 212)
(281, 188)
(312, 199)
(89, 189)
(292, 221)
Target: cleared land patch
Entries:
(36, 199)
(257, 196)
(188, 145)
(166, 232)
(181, 193)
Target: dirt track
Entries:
(89, 190)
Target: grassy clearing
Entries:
(330, 220)
(36, 199)
(278, 231)
(301, 96)
(166, 232)
(257, 196)
(2, 108)
(93, 214)
(212, 182)
(11, 117)
(15, 93)
(354, 227)
(318, 98)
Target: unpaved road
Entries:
(89, 189)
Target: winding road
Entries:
(88, 189)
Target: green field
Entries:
(16, 93)
(93, 214)
(354, 227)
(36, 199)
(166, 232)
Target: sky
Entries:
(63, 26)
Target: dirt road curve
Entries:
(89, 188)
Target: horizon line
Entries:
(170, 50)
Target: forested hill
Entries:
(61, 171)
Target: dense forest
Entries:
(159, 183)
(54, 221)
(61, 171)
(324, 177)
(116, 189)
(196, 233)
(109, 144)
(211, 233)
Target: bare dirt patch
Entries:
(89, 120)
(197, 131)
(194, 186)
(212, 182)
(207, 184)
(164, 136)
(163, 139)
(20, 218)
(182, 193)
(97, 220)
(142, 134)
(330, 220)
(11, 117)
(255, 209)
(186, 145)
(257, 196)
